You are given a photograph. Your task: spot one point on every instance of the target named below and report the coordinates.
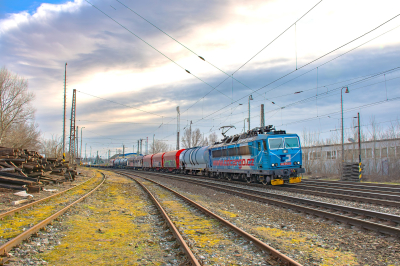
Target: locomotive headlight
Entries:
(298, 162)
(272, 165)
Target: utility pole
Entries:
(85, 152)
(123, 151)
(359, 147)
(147, 145)
(138, 152)
(65, 109)
(77, 141)
(141, 146)
(178, 128)
(190, 136)
(81, 142)
(248, 119)
(153, 143)
(262, 116)
(72, 128)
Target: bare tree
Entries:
(15, 106)
(51, 148)
(193, 139)
(212, 138)
(159, 146)
(22, 135)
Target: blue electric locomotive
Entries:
(261, 155)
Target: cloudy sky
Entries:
(128, 61)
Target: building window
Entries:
(377, 153)
(384, 152)
(392, 152)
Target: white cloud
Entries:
(106, 60)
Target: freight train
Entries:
(262, 154)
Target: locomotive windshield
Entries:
(291, 142)
(275, 143)
(281, 143)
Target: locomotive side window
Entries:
(275, 143)
(217, 153)
(265, 145)
(244, 150)
(291, 142)
(259, 146)
(232, 151)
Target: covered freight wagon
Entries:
(158, 161)
(148, 162)
(171, 160)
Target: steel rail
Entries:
(345, 184)
(5, 248)
(370, 193)
(274, 253)
(390, 230)
(11, 212)
(351, 196)
(355, 195)
(174, 230)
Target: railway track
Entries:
(203, 232)
(21, 223)
(362, 195)
(355, 185)
(375, 221)
(370, 197)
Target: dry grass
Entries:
(12, 226)
(104, 231)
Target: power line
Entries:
(111, 101)
(156, 49)
(202, 58)
(291, 72)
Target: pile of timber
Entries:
(23, 169)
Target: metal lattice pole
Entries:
(262, 122)
(72, 127)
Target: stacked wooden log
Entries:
(23, 169)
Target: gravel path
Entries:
(304, 238)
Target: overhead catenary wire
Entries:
(310, 62)
(125, 105)
(156, 49)
(351, 50)
(328, 93)
(202, 58)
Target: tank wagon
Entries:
(120, 163)
(195, 160)
(262, 155)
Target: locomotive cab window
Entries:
(291, 142)
(275, 143)
(217, 153)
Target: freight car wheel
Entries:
(248, 179)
